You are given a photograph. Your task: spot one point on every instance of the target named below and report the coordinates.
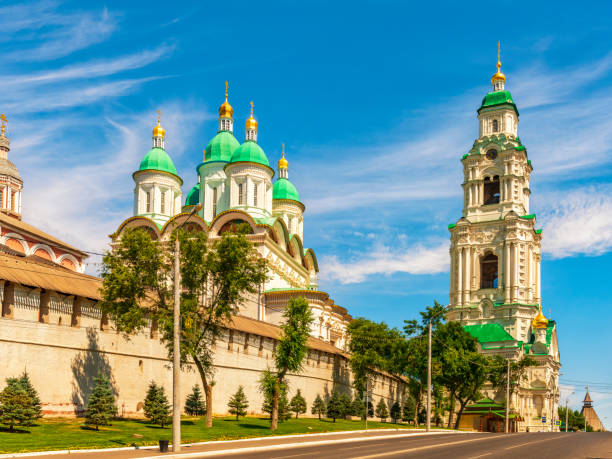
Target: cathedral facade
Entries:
(235, 186)
(495, 253)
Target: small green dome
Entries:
(157, 160)
(284, 189)
(221, 147)
(497, 98)
(193, 197)
(250, 151)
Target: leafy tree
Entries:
(465, 369)
(156, 406)
(318, 407)
(335, 407)
(291, 349)
(358, 408)
(16, 405)
(575, 420)
(216, 278)
(396, 412)
(382, 411)
(194, 405)
(238, 404)
(298, 404)
(518, 372)
(266, 387)
(101, 407)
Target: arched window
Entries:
(163, 202)
(491, 190)
(240, 194)
(255, 194)
(488, 271)
(148, 201)
(495, 126)
(214, 203)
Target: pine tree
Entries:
(16, 405)
(318, 406)
(194, 405)
(238, 403)
(335, 407)
(357, 407)
(370, 409)
(396, 412)
(25, 382)
(298, 404)
(345, 404)
(101, 406)
(381, 410)
(156, 406)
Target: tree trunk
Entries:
(319, 415)
(207, 390)
(274, 415)
(461, 407)
(417, 405)
(451, 410)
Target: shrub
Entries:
(156, 406)
(194, 405)
(238, 403)
(298, 404)
(101, 406)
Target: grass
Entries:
(56, 434)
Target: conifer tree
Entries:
(335, 407)
(318, 406)
(298, 404)
(357, 407)
(25, 382)
(396, 412)
(238, 403)
(156, 406)
(101, 406)
(194, 405)
(381, 410)
(16, 406)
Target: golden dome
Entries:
(283, 163)
(226, 110)
(251, 123)
(540, 320)
(159, 131)
(498, 75)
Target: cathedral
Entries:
(495, 257)
(235, 185)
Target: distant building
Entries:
(495, 258)
(590, 415)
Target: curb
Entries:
(214, 442)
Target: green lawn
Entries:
(56, 434)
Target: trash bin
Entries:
(163, 446)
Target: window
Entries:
(491, 190)
(495, 125)
(214, 203)
(163, 202)
(148, 201)
(488, 271)
(492, 154)
(13, 195)
(1, 196)
(255, 194)
(240, 194)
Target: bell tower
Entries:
(495, 246)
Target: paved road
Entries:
(388, 445)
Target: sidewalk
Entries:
(223, 447)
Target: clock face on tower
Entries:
(492, 154)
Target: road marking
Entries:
(532, 442)
(420, 448)
(482, 455)
(293, 455)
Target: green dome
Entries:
(497, 98)
(221, 147)
(250, 151)
(193, 197)
(157, 160)
(284, 189)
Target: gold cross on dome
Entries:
(3, 127)
(252, 105)
(158, 117)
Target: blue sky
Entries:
(376, 102)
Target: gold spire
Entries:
(3, 127)
(498, 76)
(540, 320)
(283, 163)
(226, 110)
(159, 131)
(251, 123)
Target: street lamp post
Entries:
(428, 424)
(508, 398)
(176, 341)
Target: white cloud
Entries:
(578, 222)
(387, 260)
